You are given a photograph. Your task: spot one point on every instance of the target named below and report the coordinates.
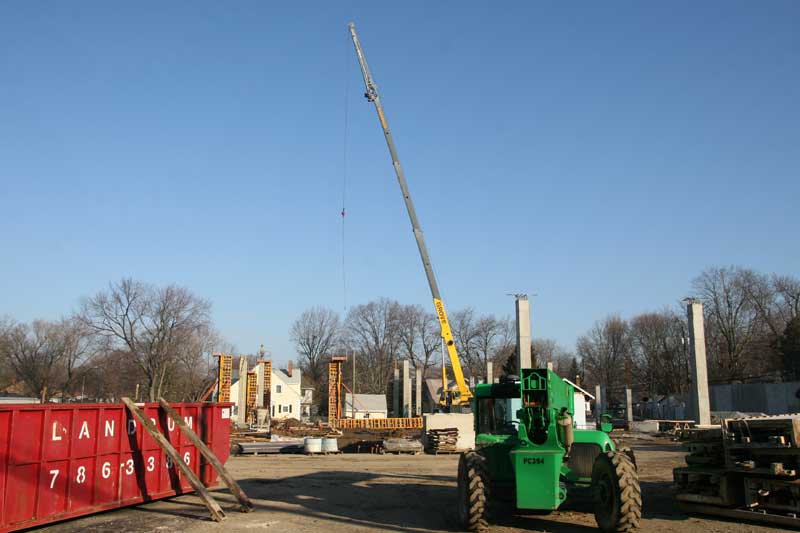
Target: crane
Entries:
(463, 395)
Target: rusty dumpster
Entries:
(59, 461)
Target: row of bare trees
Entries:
(131, 335)
(752, 333)
(382, 332)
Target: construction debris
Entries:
(442, 440)
(746, 468)
(398, 446)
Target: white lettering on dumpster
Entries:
(171, 424)
(188, 420)
(84, 430)
(56, 436)
(109, 428)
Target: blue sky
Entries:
(599, 155)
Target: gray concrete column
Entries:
(406, 389)
(260, 384)
(598, 402)
(489, 372)
(418, 394)
(698, 392)
(629, 407)
(471, 383)
(523, 310)
(241, 404)
(397, 410)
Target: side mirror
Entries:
(605, 423)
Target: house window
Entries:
(286, 408)
(278, 389)
(273, 410)
(290, 408)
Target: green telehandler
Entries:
(529, 453)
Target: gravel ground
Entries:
(386, 493)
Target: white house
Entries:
(285, 393)
(366, 406)
(582, 406)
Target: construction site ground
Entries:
(361, 492)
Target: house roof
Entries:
(365, 402)
(282, 374)
(579, 388)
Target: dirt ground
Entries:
(386, 493)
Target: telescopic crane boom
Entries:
(464, 394)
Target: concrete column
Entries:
(406, 390)
(471, 383)
(598, 402)
(396, 410)
(489, 372)
(241, 403)
(523, 309)
(698, 393)
(418, 395)
(260, 384)
(629, 407)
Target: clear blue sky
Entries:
(599, 155)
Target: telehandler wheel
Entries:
(473, 492)
(616, 496)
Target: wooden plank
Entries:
(217, 514)
(236, 490)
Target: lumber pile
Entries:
(442, 440)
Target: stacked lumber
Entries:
(442, 440)
(395, 445)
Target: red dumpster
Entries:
(62, 461)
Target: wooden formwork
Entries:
(224, 376)
(377, 423)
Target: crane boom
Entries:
(464, 394)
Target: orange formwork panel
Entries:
(378, 423)
(59, 461)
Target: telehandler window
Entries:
(495, 417)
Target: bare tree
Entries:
(37, 355)
(419, 336)
(315, 334)
(149, 323)
(465, 333)
(731, 318)
(373, 332)
(605, 351)
(660, 352)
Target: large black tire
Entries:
(616, 496)
(632, 456)
(473, 492)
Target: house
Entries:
(285, 392)
(366, 406)
(582, 406)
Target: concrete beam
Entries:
(523, 311)
(698, 393)
(598, 402)
(629, 406)
(396, 409)
(418, 394)
(241, 402)
(406, 403)
(489, 372)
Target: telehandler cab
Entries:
(528, 452)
